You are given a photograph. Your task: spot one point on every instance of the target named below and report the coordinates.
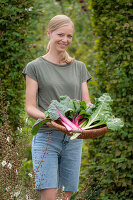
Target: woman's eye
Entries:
(60, 34)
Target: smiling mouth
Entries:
(62, 45)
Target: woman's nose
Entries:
(64, 39)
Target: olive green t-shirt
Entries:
(56, 80)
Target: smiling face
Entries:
(61, 38)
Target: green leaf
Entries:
(65, 100)
(63, 108)
(38, 124)
(115, 124)
(102, 106)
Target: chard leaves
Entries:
(52, 111)
(102, 106)
(37, 125)
(99, 114)
(115, 124)
(67, 102)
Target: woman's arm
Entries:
(85, 94)
(31, 91)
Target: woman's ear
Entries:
(48, 33)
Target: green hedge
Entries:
(111, 155)
(15, 17)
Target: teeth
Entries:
(63, 44)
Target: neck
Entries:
(55, 57)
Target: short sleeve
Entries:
(30, 70)
(85, 74)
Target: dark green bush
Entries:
(15, 18)
(112, 154)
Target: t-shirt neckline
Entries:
(58, 65)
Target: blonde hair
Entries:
(55, 23)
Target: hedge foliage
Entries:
(15, 18)
(111, 155)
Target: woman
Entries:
(56, 158)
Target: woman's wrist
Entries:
(41, 115)
(35, 113)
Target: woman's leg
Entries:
(69, 164)
(64, 195)
(45, 152)
(48, 194)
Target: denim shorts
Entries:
(56, 160)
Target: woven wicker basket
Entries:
(85, 134)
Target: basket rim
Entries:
(85, 134)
